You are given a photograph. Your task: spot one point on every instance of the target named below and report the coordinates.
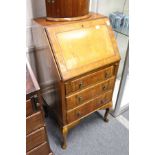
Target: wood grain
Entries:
(44, 22)
(85, 95)
(89, 107)
(68, 19)
(35, 127)
(34, 122)
(42, 149)
(85, 57)
(35, 139)
(88, 80)
(67, 8)
(29, 108)
(72, 42)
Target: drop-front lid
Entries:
(82, 46)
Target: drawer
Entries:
(89, 107)
(88, 80)
(77, 99)
(35, 139)
(29, 108)
(102, 100)
(42, 149)
(34, 122)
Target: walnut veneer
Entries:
(84, 62)
(67, 9)
(36, 137)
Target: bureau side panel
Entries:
(45, 64)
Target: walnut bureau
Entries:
(84, 61)
(36, 137)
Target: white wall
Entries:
(108, 6)
(34, 9)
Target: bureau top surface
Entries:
(82, 46)
(43, 22)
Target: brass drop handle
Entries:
(78, 114)
(35, 103)
(106, 75)
(80, 98)
(102, 101)
(103, 87)
(99, 103)
(80, 84)
(107, 98)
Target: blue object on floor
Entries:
(119, 22)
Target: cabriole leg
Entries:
(64, 134)
(106, 115)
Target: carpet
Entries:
(91, 137)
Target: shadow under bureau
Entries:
(83, 59)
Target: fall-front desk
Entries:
(84, 62)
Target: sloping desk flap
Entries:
(82, 46)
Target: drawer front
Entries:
(35, 139)
(89, 93)
(106, 98)
(42, 149)
(88, 80)
(29, 108)
(34, 122)
(89, 107)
